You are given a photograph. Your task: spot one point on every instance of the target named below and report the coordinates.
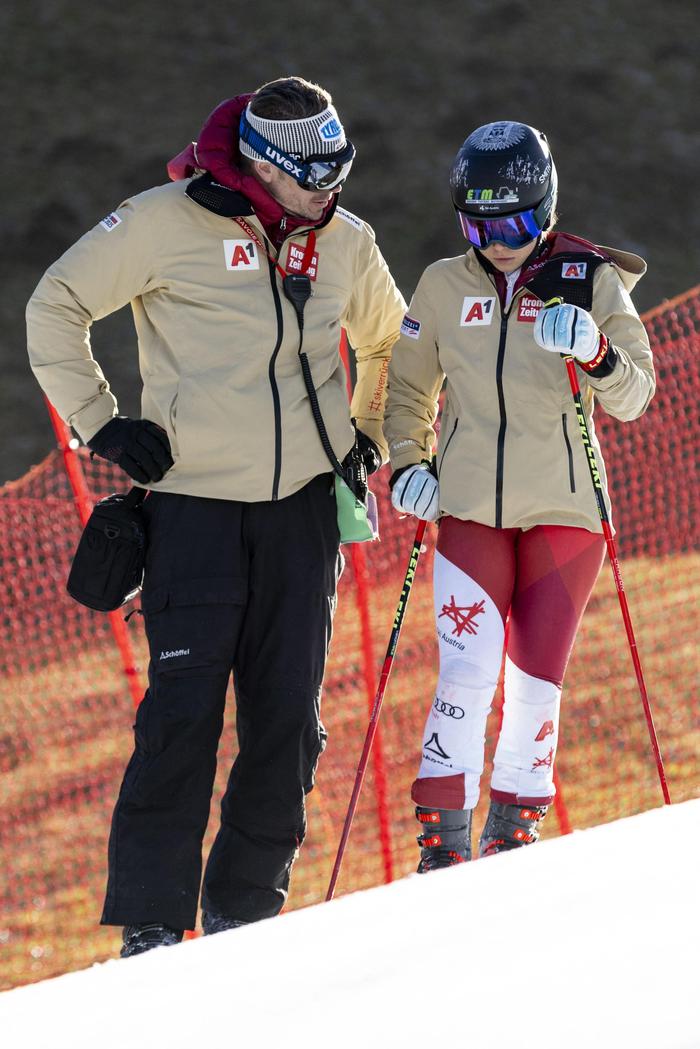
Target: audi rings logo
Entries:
(446, 708)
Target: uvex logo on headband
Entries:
(283, 162)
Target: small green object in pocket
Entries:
(354, 524)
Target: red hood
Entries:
(216, 151)
(558, 243)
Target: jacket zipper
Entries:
(572, 478)
(447, 445)
(272, 265)
(273, 384)
(500, 445)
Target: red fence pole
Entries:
(358, 559)
(84, 504)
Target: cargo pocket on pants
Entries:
(193, 625)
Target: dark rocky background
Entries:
(97, 96)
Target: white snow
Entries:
(589, 940)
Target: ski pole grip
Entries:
(557, 301)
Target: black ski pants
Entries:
(247, 588)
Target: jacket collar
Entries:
(216, 153)
(499, 279)
(547, 248)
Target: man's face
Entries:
(305, 203)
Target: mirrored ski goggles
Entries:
(320, 171)
(515, 231)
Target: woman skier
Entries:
(519, 538)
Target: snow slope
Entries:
(591, 940)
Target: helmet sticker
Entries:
(503, 195)
(501, 135)
(458, 175)
(523, 171)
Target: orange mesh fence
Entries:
(67, 691)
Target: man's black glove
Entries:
(140, 447)
(371, 455)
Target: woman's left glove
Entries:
(569, 329)
(415, 490)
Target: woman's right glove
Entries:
(415, 490)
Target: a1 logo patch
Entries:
(574, 270)
(528, 308)
(241, 255)
(477, 310)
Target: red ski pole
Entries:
(377, 706)
(614, 563)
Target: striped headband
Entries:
(308, 137)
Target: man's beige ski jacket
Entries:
(218, 341)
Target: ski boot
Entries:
(139, 938)
(212, 922)
(510, 826)
(446, 839)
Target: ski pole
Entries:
(377, 705)
(612, 556)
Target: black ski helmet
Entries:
(502, 169)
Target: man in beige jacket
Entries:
(242, 559)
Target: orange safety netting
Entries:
(70, 678)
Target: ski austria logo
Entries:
(241, 255)
(574, 270)
(463, 616)
(110, 221)
(477, 310)
(331, 129)
(410, 328)
(528, 308)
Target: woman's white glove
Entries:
(567, 329)
(416, 491)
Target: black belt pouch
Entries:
(107, 568)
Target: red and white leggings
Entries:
(543, 577)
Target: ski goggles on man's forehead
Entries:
(515, 231)
(320, 171)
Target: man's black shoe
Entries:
(213, 923)
(136, 939)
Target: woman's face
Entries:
(507, 259)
